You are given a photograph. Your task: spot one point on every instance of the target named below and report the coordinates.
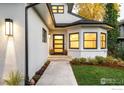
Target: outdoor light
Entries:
(9, 27)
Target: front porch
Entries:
(78, 42)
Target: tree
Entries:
(92, 11)
(112, 14)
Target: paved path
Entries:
(58, 73)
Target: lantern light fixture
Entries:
(8, 27)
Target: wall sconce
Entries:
(9, 27)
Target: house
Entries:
(38, 30)
(121, 38)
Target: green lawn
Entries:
(98, 75)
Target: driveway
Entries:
(58, 73)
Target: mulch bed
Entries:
(39, 73)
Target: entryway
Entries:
(58, 43)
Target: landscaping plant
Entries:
(14, 78)
(100, 59)
(93, 61)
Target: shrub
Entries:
(82, 60)
(93, 61)
(115, 61)
(14, 78)
(100, 59)
(109, 60)
(75, 61)
(120, 60)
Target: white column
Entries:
(98, 41)
(81, 40)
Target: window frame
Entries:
(44, 35)
(57, 9)
(103, 40)
(91, 40)
(70, 40)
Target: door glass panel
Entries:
(58, 46)
(58, 41)
(58, 37)
(58, 50)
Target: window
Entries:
(90, 40)
(44, 35)
(103, 40)
(58, 8)
(74, 40)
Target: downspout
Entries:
(26, 42)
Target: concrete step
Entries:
(59, 58)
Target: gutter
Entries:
(26, 42)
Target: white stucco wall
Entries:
(65, 17)
(38, 50)
(81, 52)
(12, 49)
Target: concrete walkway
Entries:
(58, 73)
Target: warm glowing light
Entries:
(103, 40)
(58, 9)
(58, 43)
(9, 27)
(58, 46)
(90, 40)
(10, 58)
(54, 7)
(74, 40)
(58, 50)
(58, 37)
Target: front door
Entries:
(58, 43)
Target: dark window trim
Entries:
(57, 9)
(95, 40)
(76, 40)
(44, 36)
(59, 43)
(102, 40)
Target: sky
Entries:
(121, 12)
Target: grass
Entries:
(98, 75)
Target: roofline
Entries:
(62, 25)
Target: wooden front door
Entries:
(58, 43)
